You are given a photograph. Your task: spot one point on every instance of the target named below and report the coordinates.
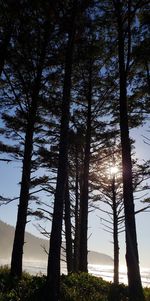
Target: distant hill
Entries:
(99, 258)
(34, 247)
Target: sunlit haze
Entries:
(113, 170)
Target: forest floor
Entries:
(74, 287)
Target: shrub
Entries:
(74, 287)
(118, 292)
(147, 293)
(29, 288)
(83, 286)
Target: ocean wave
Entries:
(104, 271)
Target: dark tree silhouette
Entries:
(68, 230)
(83, 219)
(53, 272)
(132, 257)
(17, 252)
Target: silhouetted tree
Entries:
(132, 257)
(24, 57)
(68, 230)
(53, 272)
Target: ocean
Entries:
(104, 271)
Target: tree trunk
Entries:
(68, 234)
(132, 258)
(115, 234)
(83, 250)
(76, 238)
(53, 270)
(17, 253)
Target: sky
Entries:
(99, 240)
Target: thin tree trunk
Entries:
(68, 233)
(115, 234)
(83, 250)
(17, 252)
(53, 270)
(76, 239)
(132, 257)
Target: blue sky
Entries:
(99, 240)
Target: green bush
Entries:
(147, 293)
(29, 288)
(84, 287)
(74, 287)
(118, 292)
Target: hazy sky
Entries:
(99, 240)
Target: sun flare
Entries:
(114, 170)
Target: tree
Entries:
(88, 92)
(68, 230)
(53, 272)
(85, 184)
(106, 180)
(132, 257)
(28, 56)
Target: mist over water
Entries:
(35, 267)
(106, 272)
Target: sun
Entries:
(114, 170)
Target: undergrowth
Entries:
(74, 287)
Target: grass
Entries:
(74, 287)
